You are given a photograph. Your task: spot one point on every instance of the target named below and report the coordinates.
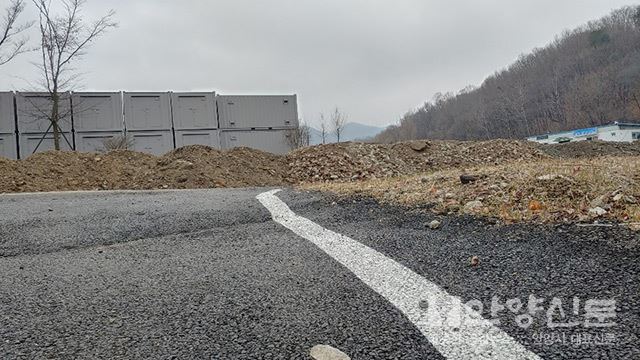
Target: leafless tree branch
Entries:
(338, 121)
(299, 137)
(65, 38)
(12, 42)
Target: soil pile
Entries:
(358, 161)
(200, 166)
(204, 167)
(185, 168)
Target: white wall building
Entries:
(618, 131)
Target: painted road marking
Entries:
(454, 329)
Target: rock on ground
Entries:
(326, 352)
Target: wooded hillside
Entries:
(588, 76)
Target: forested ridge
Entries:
(585, 77)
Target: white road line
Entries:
(454, 329)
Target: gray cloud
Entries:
(375, 59)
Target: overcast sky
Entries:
(374, 59)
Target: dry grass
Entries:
(547, 190)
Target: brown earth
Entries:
(357, 161)
(185, 168)
(205, 167)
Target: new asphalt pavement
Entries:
(246, 274)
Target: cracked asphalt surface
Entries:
(208, 274)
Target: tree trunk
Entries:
(55, 117)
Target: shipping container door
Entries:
(156, 143)
(206, 137)
(8, 148)
(258, 112)
(99, 112)
(273, 141)
(29, 142)
(147, 112)
(94, 142)
(194, 111)
(7, 112)
(34, 111)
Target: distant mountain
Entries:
(352, 132)
(584, 78)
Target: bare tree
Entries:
(12, 43)
(338, 121)
(323, 129)
(299, 137)
(65, 39)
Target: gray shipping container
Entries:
(147, 111)
(29, 142)
(7, 113)
(97, 112)
(8, 146)
(194, 111)
(94, 141)
(152, 142)
(34, 111)
(198, 137)
(273, 141)
(257, 112)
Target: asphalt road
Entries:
(210, 274)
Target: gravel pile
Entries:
(357, 161)
(347, 161)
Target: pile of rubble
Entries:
(357, 161)
(346, 162)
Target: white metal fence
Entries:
(155, 122)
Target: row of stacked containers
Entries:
(154, 122)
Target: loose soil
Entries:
(583, 179)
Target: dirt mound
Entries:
(185, 168)
(62, 170)
(345, 161)
(202, 167)
(205, 167)
(589, 149)
(355, 161)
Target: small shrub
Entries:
(120, 142)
